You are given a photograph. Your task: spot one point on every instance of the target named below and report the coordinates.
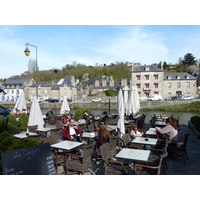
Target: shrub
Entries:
(111, 92)
(1, 124)
(12, 123)
(79, 113)
(10, 143)
(23, 121)
(196, 122)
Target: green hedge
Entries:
(196, 122)
(111, 92)
(10, 143)
(79, 113)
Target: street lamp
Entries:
(27, 53)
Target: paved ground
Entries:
(176, 164)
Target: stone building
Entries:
(12, 87)
(151, 80)
(64, 87)
(148, 79)
(179, 84)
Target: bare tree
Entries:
(32, 65)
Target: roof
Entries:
(42, 84)
(17, 81)
(67, 81)
(148, 68)
(178, 76)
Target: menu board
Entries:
(35, 160)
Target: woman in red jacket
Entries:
(71, 131)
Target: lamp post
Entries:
(27, 53)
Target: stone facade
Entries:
(151, 80)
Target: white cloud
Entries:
(136, 45)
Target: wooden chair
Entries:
(80, 163)
(111, 167)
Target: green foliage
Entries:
(23, 121)
(12, 123)
(79, 113)
(1, 124)
(10, 143)
(196, 122)
(118, 71)
(190, 107)
(189, 59)
(111, 92)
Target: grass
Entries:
(192, 107)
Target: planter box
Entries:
(194, 130)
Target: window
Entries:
(169, 85)
(138, 77)
(156, 85)
(156, 77)
(178, 84)
(147, 85)
(138, 85)
(12, 91)
(147, 77)
(188, 84)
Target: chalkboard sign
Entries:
(36, 160)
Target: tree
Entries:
(189, 59)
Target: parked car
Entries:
(171, 98)
(96, 100)
(39, 100)
(155, 98)
(68, 100)
(4, 111)
(50, 100)
(187, 98)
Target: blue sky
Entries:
(59, 45)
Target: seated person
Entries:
(71, 131)
(92, 119)
(86, 117)
(50, 112)
(105, 117)
(43, 115)
(103, 135)
(171, 129)
(17, 114)
(134, 131)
